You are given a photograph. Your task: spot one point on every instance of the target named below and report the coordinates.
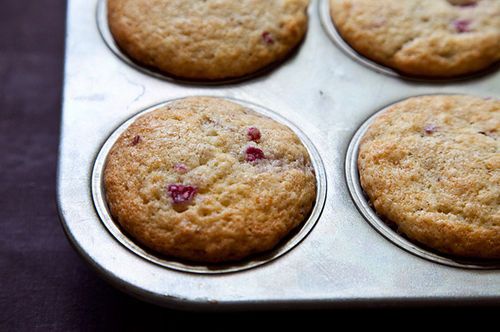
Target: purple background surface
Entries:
(44, 285)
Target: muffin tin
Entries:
(343, 261)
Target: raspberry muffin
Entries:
(207, 40)
(431, 166)
(207, 180)
(432, 38)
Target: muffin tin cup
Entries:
(103, 27)
(336, 37)
(384, 227)
(287, 244)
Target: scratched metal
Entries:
(343, 261)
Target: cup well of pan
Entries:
(107, 37)
(338, 40)
(285, 245)
(388, 229)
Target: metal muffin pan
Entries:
(343, 261)
(287, 244)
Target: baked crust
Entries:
(240, 207)
(208, 40)
(434, 38)
(431, 165)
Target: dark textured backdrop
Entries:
(44, 285)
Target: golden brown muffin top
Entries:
(210, 40)
(207, 180)
(435, 38)
(431, 165)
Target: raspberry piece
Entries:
(267, 38)
(181, 194)
(180, 168)
(462, 25)
(253, 134)
(430, 128)
(136, 140)
(253, 154)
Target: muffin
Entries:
(207, 40)
(431, 38)
(431, 166)
(207, 180)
